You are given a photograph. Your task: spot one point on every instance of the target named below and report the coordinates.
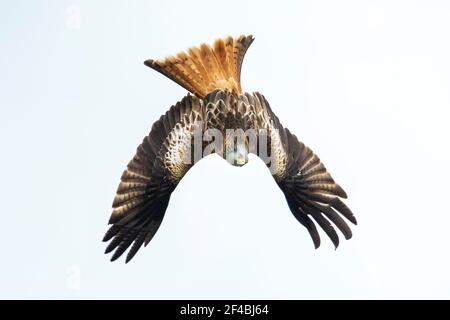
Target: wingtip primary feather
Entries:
(316, 245)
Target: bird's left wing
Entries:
(309, 189)
(146, 185)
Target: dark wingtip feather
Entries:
(113, 244)
(316, 244)
(116, 255)
(344, 210)
(341, 192)
(113, 219)
(313, 233)
(303, 218)
(106, 237)
(112, 231)
(326, 226)
(334, 217)
(135, 247)
(126, 240)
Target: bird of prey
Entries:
(217, 102)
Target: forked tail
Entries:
(204, 69)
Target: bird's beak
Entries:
(240, 161)
(240, 156)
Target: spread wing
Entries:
(151, 176)
(310, 191)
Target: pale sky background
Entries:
(365, 84)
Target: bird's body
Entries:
(219, 118)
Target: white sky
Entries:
(365, 84)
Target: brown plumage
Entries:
(204, 69)
(212, 74)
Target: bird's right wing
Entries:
(309, 189)
(151, 176)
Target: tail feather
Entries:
(206, 68)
